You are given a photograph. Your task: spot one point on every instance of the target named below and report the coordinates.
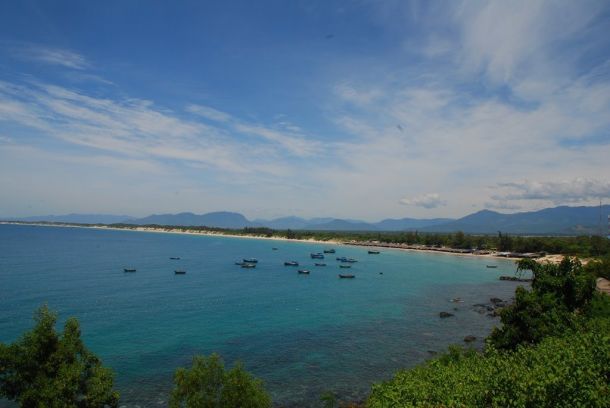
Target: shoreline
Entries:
(364, 244)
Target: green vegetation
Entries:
(553, 350)
(47, 369)
(208, 385)
(584, 246)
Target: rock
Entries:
(445, 314)
(495, 300)
(469, 339)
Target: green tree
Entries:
(208, 385)
(47, 369)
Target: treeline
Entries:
(585, 245)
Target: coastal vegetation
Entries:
(552, 350)
(49, 369)
(207, 384)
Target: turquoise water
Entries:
(302, 334)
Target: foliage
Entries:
(568, 371)
(558, 291)
(553, 350)
(208, 385)
(47, 369)
(599, 267)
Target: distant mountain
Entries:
(77, 218)
(408, 224)
(283, 223)
(341, 225)
(557, 220)
(220, 219)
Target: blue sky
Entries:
(354, 109)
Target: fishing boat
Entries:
(250, 260)
(346, 276)
(345, 266)
(320, 264)
(177, 272)
(304, 272)
(492, 266)
(374, 252)
(317, 256)
(329, 251)
(248, 265)
(174, 258)
(291, 263)
(129, 270)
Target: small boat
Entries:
(346, 276)
(304, 272)
(317, 256)
(250, 260)
(320, 264)
(180, 272)
(248, 265)
(345, 266)
(129, 270)
(329, 251)
(374, 252)
(291, 263)
(174, 258)
(492, 266)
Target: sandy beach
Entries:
(378, 245)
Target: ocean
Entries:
(302, 334)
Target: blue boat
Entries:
(317, 256)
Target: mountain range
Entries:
(556, 220)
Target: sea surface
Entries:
(302, 334)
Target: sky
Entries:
(355, 109)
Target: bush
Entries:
(567, 371)
(45, 369)
(207, 385)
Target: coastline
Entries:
(367, 244)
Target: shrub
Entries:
(207, 385)
(46, 369)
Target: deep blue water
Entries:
(301, 334)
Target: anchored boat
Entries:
(129, 270)
(341, 276)
(291, 263)
(180, 272)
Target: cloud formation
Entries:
(52, 56)
(430, 200)
(565, 191)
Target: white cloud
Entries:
(52, 56)
(558, 192)
(209, 113)
(430, 200)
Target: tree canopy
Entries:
(48, 369)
